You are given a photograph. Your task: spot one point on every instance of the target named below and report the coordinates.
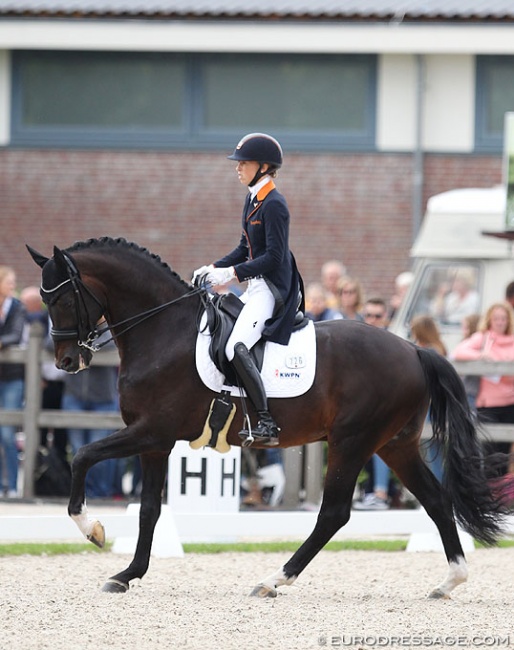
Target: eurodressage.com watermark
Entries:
(413, 641)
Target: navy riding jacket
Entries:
(263, 251)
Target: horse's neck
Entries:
(135, 303)
(128, 280)
(162, 307)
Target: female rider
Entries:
(275, 289)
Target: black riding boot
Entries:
(266, 430)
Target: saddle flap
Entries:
(222, 313)
(287, 371)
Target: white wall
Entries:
(5, 95)
(448, 103)
(259, 36)
(396, 102)
(449, 111)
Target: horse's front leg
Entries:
(85, 458)
(154, 468)
(334, 513)
(123, 443)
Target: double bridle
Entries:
(86, 332)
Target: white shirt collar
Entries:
(259, 185)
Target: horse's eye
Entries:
(65, 303)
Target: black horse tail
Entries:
(477, 508)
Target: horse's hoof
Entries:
(97, 535)
(115, 587)
(263, 591)
(439, 595)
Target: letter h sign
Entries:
(203, 480)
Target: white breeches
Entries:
(259, 306)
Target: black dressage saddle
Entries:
(222, 312)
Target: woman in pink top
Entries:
(494, 341)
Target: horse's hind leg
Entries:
(416, 476)
(154, 468)
(334, 513)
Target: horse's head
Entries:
(73, 308)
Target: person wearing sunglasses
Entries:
(375, 312)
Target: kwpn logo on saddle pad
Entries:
(284, 375)
(287, 375)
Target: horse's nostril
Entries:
(65, 363)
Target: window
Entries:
(292, 94)
(448, 292)
(79, 98)
(191, 101)
(494, 98)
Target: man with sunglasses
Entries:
(375, 312)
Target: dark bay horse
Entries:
(371, 394)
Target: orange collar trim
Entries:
(264, 191)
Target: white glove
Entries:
(203, 270)
(218, 277)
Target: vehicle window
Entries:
(448, 293)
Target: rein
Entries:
(138, 318)
(86, 334)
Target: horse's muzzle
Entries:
(72, 359)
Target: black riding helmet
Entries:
(261, 148)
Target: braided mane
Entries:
(120, 244)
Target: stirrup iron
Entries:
(246, 432)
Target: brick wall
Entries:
(186, 207)
(443, 173)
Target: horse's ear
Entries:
(39, 259)
(59, 258)
(65, 262)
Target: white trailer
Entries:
(451, 247)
